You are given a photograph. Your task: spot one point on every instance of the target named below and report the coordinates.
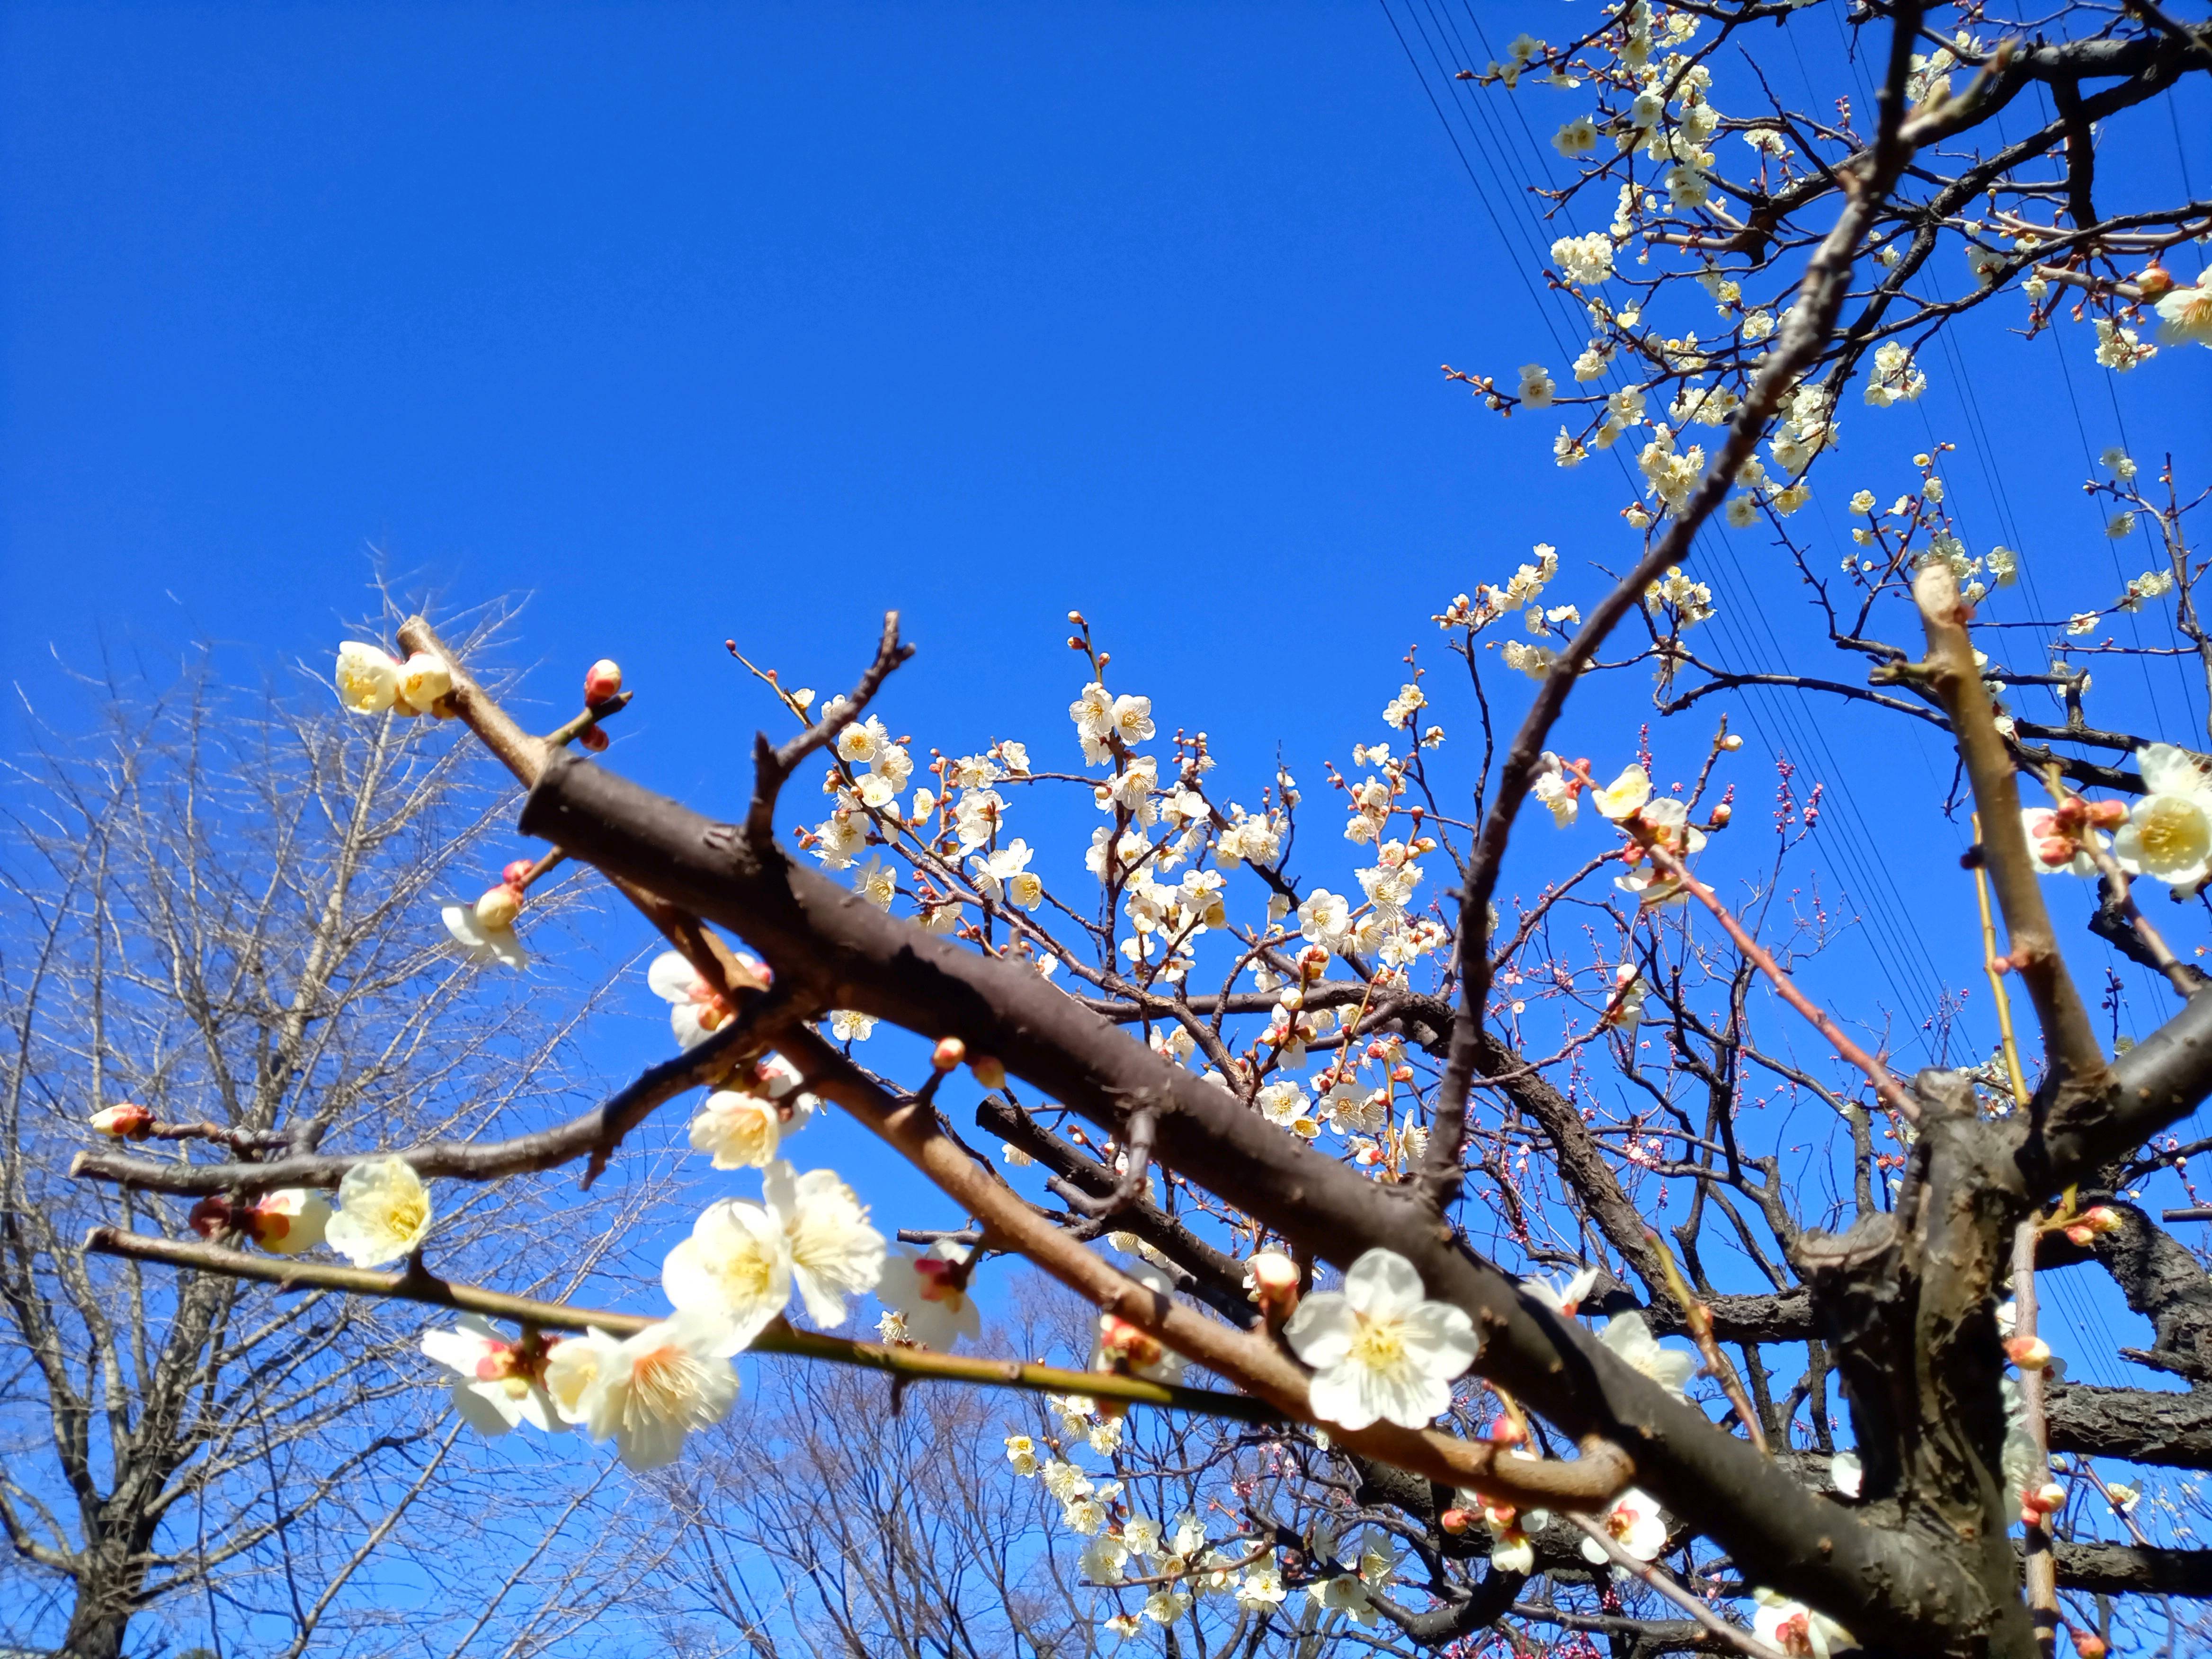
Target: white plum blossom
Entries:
(835, 1252)
(734, 1271)
(694, 1011)
(2169, 833)
(1561, 1297)
(492, 1387)
(485, 930)
(1634, 1523)
(648, 1391)
(1631, 1341)
(1794, 1629)
(2186, 314)
(1379, 1349)
(927, 1289)
(368, 678)
(384, 1212)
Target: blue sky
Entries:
(701, 322)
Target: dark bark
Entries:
(839, 951)
(2144, 1425)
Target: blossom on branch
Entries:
(1380, 1350)
(384, 1212)
(646, 1392)
(929, 1290)
(734, 1270)
(495, 1383)
(835, 1252)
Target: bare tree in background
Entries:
(222, 909)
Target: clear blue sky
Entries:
(713, 321)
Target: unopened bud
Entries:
(1455, 1521)
(1402, 1074)
(1426, 843)
(2155, 280)
(1721, 814)
(2078, 1234)
(499, 907)
(594, 738)
(128, 1121)
(2055, 850)
(210, 1216)
(601, 681)
(517, 873)
(1731, 743)
(1076, 617)
(2088, 1645)
(2107, 814)
(2030, 1354)
(1120, 1340)
(988, 1072)
(1291, 997)
(1507, 1433)
(1273, 1279)
(2049, 1497)
(2102, 1219)
(948, 1053)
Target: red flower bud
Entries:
(593, 739)
(1455, 1521)
(128, 1121)
(210, 1216)
(517, 874)
(601, 682)
(948, 1053)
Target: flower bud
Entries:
(1731, 743)
(2030, 1354)
(2155, 280)
(1507, 1433)
(1455, 1521)
(601, 681)
(517, 873)
(2056, 850)
(1272, 1280)
(210, 1217)
(128, 1121)
(2080, 1235)
(988, 1072)
(1291, 997)
(592, 738)
(2049, 1497)
(499, 906)
(1120, 1341)
(948, 1053)
(2102, 1219)
(1721, 814)
(2087, 1644)
(2108, 814)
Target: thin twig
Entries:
(1734, 1635)
(779, 1337)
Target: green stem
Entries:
(911, 1364)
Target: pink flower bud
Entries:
(2155, 281)
(517, 874)
(1721, 814)
(948, 1053)
(593, 739)
(2102, 1219)
(2087, 1644)
(2049, 1497)
(602, 681)
(1506, 1432)
(988, 1072)
(128, 1121)
(499, 907)
(210, 1216)
(2108, 814)
(2030, 1354)
(1455, 1521)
